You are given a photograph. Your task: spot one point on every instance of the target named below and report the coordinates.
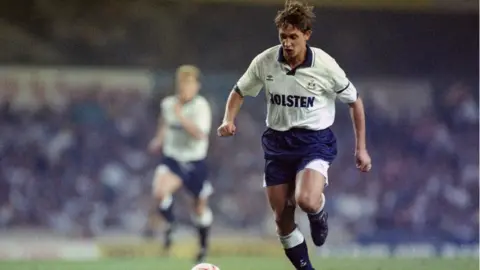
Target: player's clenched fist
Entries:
(226, 129)
(363, 161)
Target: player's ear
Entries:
(307, 34)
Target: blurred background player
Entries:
(302, 83)
(183, 131)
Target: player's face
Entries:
(187, 87)
(293, 40)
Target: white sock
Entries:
(292, 240)
(205, 219)
(166, 202)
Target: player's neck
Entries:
(297, 60)
(185, 101)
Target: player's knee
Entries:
(159, 194)
(309, 202)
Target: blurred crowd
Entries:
(79, 165)
(65, 164)
(425, 185)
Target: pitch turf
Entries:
(250, 263)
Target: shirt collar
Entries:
(308, 62)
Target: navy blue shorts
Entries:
(288, 152)
(193, 174)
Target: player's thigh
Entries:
(311, 182)
(279, 179)
(200, 202)
(165, 182)
(197, 184)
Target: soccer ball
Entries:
(205, 266)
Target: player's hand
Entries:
(178, 109)
(363, 160)
(226, 129)
(154, 146)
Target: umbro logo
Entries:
(269, 78)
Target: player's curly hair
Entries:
(296, 13)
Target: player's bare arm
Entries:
(188, 124)
(234, 103)
(362, 158)
(156, 142)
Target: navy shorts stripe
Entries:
(287, 152)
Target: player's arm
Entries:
(249, 84)
(199, 126)
(234, 103)
(191, 128)
(157, 140)
(347, 93)
(357, 113)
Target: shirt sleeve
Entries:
(203, 117)
(343, 88)
(163, 106)
(250, 83)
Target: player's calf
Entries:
(296, 249)
(285, 219)
(292, 239)
(319, 224)
(165, 209)
(165, 183)
(310, 198)
(203, 219)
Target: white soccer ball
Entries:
(205, 266)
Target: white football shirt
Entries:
(303, 97)
(178, 143)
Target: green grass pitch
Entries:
(248, 263)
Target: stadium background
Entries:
(80, 84)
